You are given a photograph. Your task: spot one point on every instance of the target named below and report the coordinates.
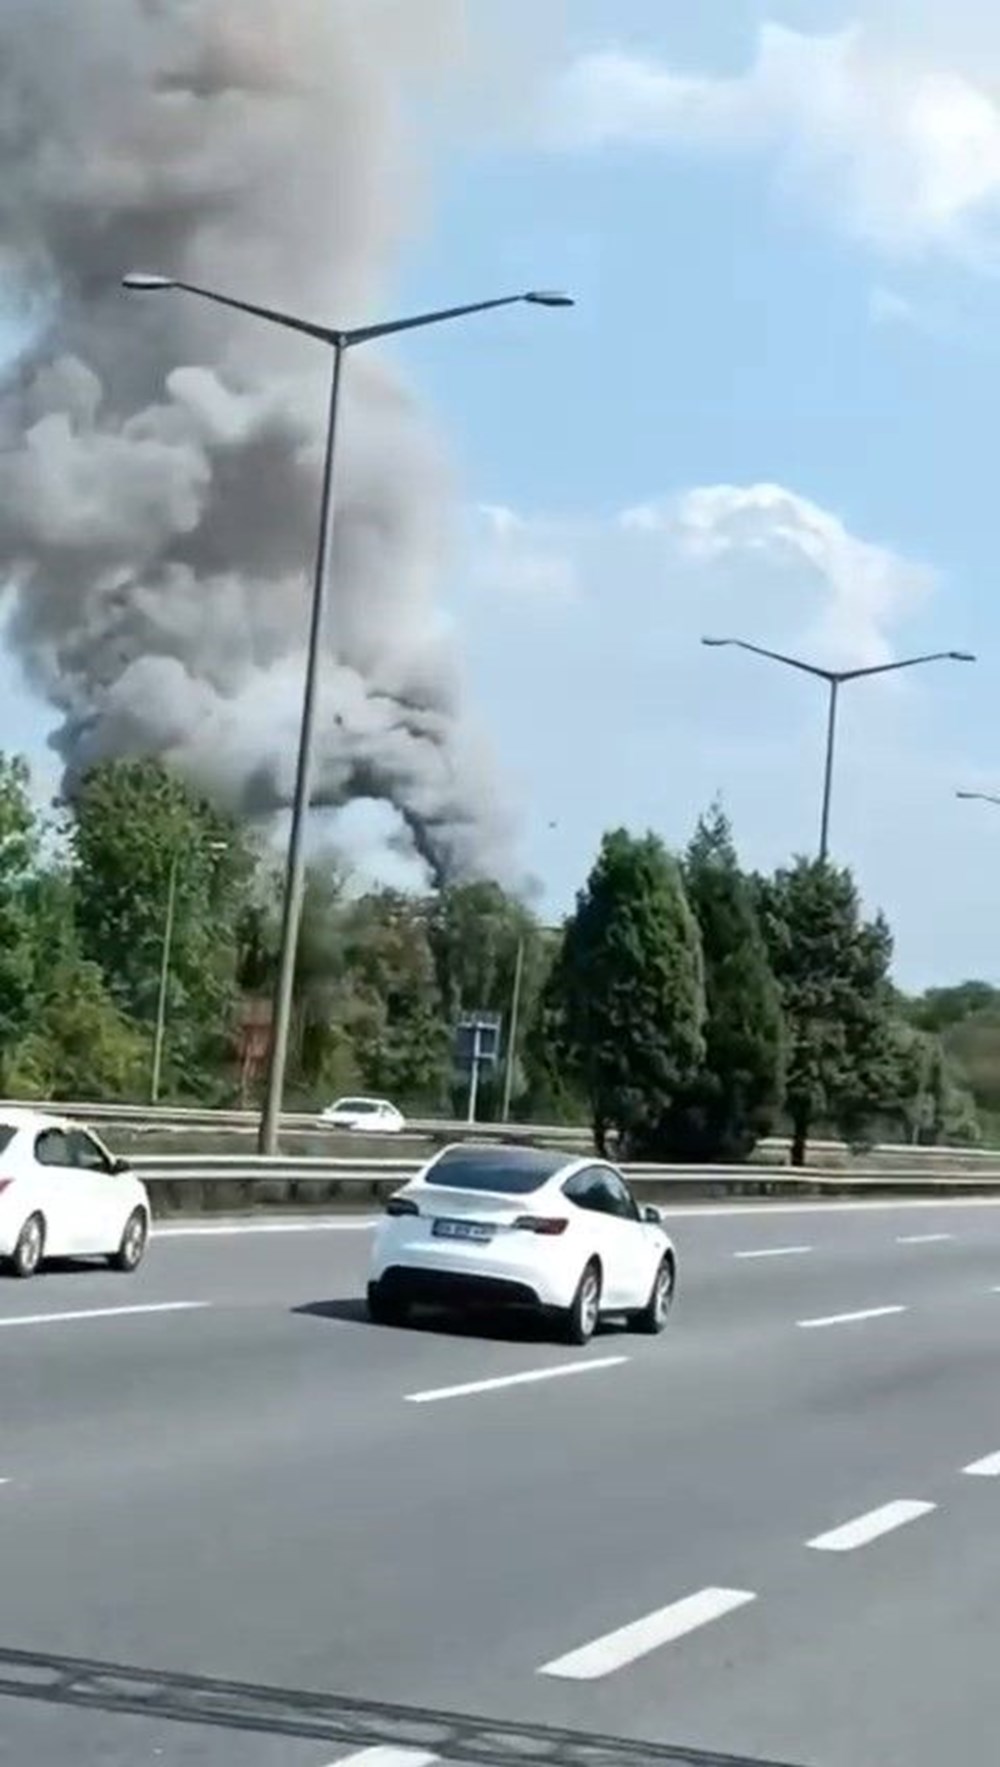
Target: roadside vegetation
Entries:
(685, 1010)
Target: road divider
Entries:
(186, 1182)
(159, 1119)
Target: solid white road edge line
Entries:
(848, 1318)
(513, 1380)
(988, 1468)
(776, 1251)
(387, 1757)
(103, 1313)
(865, 1528)
(922, 1238)
(617, 1649)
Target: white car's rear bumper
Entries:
(507, 1270)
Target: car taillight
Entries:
(541, 1223)
(401, 1205)
(5, 1184)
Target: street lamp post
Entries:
(165, 955)
(835, 679)
(339, 341)
(515, 1019)
(512, 1031)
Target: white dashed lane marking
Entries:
(776, 1251)
(865, 1528)
(923, 1238)
(468, 1388)
(848, 1318)
(387, 1757)
(82, 1314)
(617, 1649)
(988, 1468)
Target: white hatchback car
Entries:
(367, 1116)
(523, 1227)
(63, 1195)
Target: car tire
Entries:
(30, 1248)
(385, 1308)
(652, 1318)
(582, 1318)
(131, 1250)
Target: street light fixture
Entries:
(168, 940)
(982, 797)
(339, 340)
(835, 679)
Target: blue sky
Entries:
(771, 414)
(766, 298)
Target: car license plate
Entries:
(462, 1230)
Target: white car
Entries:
(63, 1195)
(524, 1227)
(374, 1116)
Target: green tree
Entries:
(736, 1095)
(80, 1045)
(947, 1113)
(628, 988)
(941, 1008)
(832, 969)
(393, 1006)
(475, 932)
(932, 1107)
(134, 826)
(19, 846)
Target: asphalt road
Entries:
(240, 1525)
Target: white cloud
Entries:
(854, 590)
(758, 554)
(608, 711)
(905, 150)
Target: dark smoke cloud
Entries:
(159, 461)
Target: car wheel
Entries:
(30, 1247)
(130, 1252)
(654, 1315)
(583, 1315)
(385, 1308)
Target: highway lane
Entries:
(249, 1492)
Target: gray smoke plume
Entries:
(159, 460)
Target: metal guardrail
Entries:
(198, 1119)
(218, 1168)
(164, 1118)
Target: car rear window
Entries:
(7, 1135)
(515, 1170)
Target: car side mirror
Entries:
(651, 1214)
(120, 1166)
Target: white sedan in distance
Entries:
(367, 1116)
(63, 1195)
(522, 1227)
